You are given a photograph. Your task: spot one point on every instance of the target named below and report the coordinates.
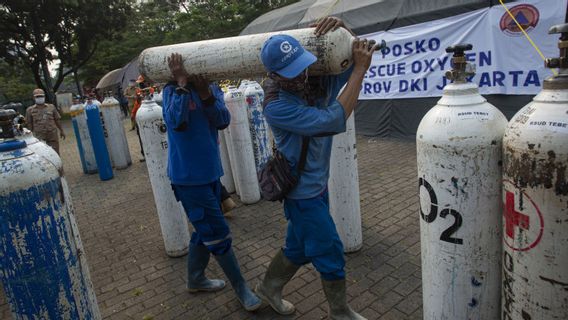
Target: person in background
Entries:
(194, 111)
(122, 100)
(298, 105)
(141, 90)
(44, 120)
(227, 203)
(130, 94)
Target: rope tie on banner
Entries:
(526, 35)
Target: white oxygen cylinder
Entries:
(232, 159)
(343, 185)
(117, 143)
(227, 178)
(157, 97)
(237, 57)
(89, 153)
(173, 221)
(244, 83)
(459, 175)
(246, 177)
(535, 201)
(262, 146)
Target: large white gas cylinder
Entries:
(343, 184)
(173, 221)
(85, 136)
(232, 158)
(44, 269)
(459, 175)
(227, 179)
(535, 201)
(237, 57)
(158, 98)
(73, 111)
(245, 174)
(262, 146)
(116, 143)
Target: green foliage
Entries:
(162, 22)
(16, 83)
(213, 19)
(93, 37)
(39, 32)
(146, 26)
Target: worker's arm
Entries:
(214, 107)
(175, 110)
(29, 119)
(362, 56)
(57, 119)
(305, 120)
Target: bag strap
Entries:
(304, 154)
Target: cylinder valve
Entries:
(461, 69)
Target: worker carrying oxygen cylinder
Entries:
(193, 111)
(304, 112)
(43, 120)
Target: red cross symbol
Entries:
(513, 218)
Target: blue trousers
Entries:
(202, 205)
(312, 236)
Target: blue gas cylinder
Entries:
(40, 262)
(96, 132)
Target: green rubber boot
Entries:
(280, 271)
(338, 307)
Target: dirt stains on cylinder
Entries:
(531, 169)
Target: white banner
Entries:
(415, 62)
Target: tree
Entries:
(147, 26)
(39, 32)
(15, 83)
(219, 18)
(162, 22)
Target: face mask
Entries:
(39, 100)
(297, 84)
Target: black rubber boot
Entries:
(230, 266)
(197, 261)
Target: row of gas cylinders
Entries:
(245, 146)
(101, 139)
(494, 204)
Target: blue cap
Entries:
(284, 55)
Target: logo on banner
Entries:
(525, 14)
(523, 222)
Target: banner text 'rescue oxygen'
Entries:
(415, 62)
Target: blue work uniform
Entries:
(311, 234)
(194, 164)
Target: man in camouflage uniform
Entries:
(43, 120)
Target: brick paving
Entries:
(135, 279)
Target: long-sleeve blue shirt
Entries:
(193, 152)
(290, 118)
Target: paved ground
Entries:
(134, 279)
